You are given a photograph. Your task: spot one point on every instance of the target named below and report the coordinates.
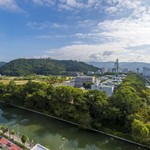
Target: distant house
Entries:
(104, 70)
(72, 73)
(108, 83)
(83, 79)
(98, 72)
(90, 73)
(109, 89)
(117, 80)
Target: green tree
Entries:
(24, 138)
(12, 132)
(87, 85)
(140, 131)
(98, 103)
(11, 87)
(4, 129)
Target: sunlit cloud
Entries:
(103, 52)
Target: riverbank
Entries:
(101, 132)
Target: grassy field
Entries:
(19, 82)
(24, 80)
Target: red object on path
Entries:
(9, 144)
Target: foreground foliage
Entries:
(127, 111)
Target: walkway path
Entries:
(17, 138)
(9, 144)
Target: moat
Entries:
(56, 134)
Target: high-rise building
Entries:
(146, 71)
(116, 65)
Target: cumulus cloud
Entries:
(10, 5)
(87, 52)
(120, 6)
(127, 31)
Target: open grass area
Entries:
(18, 82)
(36, 78)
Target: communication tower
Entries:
(116, 66)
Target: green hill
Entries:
(48, 66)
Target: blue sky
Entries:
(86, 30)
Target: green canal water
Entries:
(50, 132)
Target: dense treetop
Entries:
(23, 67)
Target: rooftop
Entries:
(39, 147)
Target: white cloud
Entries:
(86, 52)
(121, 5)
(10, 5)
(95, 3)
(71, 4)
(44, 2)
(127, 31)
(46, 25)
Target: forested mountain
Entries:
(2, 63)
(43, 67)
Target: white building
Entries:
(146, 71)
(39, 147)
(104, 70)
(83, 79)
(109, 89)
(117, 80)
(90, 73)
(98, 72)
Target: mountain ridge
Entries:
(23, 66)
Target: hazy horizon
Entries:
(77, 60)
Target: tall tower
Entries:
(116, 66)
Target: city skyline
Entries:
(86, 30)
